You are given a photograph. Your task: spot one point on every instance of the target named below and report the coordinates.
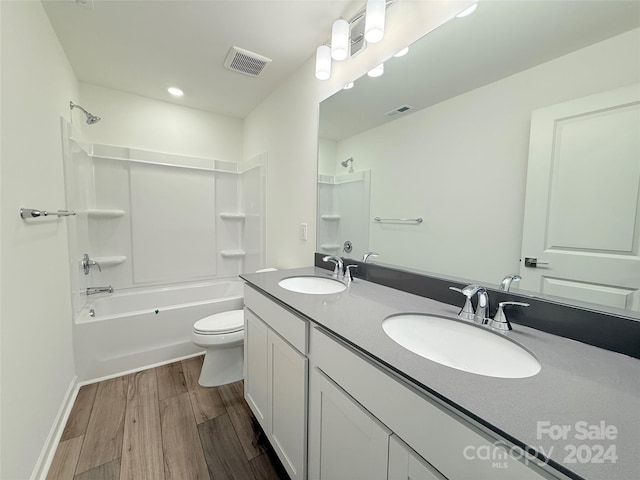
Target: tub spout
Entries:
(94, 290)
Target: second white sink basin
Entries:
(461, 345)
(312, 285)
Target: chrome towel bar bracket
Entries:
(33, 213)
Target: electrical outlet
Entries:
(303, 231)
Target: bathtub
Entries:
(134, 329)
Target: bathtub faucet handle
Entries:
(87, 263)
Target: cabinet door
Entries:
(287, 420)
(345, 441)
(255, 365)
(405, 464)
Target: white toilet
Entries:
(222, 336)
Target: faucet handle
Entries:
(87, 263)
(348, 274)
(501, 322)
(466, 312)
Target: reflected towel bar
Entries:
(398, 220)
(34, 213)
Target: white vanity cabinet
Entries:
(345, 441)
(276, 377)
(405, 464)
(440, 444)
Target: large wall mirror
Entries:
(440, 165)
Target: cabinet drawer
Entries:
(288, 325)
(446, 440)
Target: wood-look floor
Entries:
(159, 424)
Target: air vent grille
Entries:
(399, 110)
(244, 61)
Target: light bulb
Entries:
(176, 92)
(340, 40)
(467, 11)
(376, 71)
(374, 20)
(323, 62)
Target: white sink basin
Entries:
(461, 345)
(312, 285)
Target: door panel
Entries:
(582, 208)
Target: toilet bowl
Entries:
(222, 337)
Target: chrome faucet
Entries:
(506, 281)
(482, 309)
(87, 263)
(339, 269)
(366, 256)
(94, 290)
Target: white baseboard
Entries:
(51, 443)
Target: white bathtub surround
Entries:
(139, 327)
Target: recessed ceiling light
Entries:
(376, 71)
(402, 52)
(467, 11)
(348, 86)
(176, 92)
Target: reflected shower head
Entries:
(91, 119)
(345, 164)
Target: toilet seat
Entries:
(220, 323)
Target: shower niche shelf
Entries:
(232, 216)
(104, 213)
(232, 253)
(330, 247)
(110, 261)
(333, 218)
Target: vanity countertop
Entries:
(585, 390)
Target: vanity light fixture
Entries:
(176, 92)
(340, 40)
(402, 52)
(376, 71)
(348, 37)
(323, 62)
(348, 86)
(467, 11)
(374, 20)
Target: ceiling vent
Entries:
(399, 110)
(244, 61)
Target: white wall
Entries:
(286, 126)
(139, 122)
(36, 346)
(464, 162)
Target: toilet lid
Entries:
(225, 322)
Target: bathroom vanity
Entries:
(339, 399)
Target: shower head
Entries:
(345, 164)
(91, 119)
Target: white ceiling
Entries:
(145, 46)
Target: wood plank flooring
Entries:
(159, 424)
